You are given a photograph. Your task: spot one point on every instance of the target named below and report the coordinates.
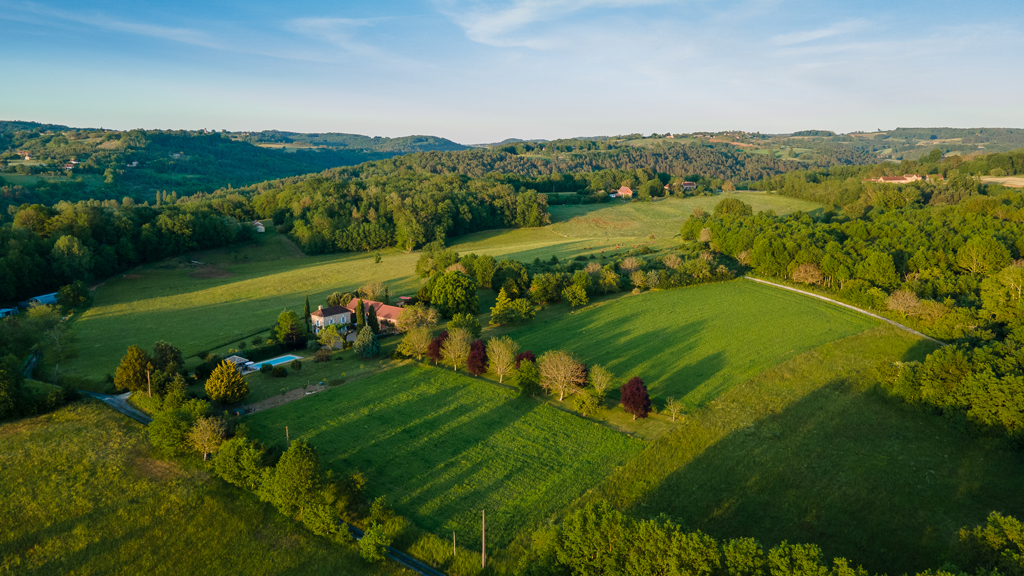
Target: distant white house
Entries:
(259, 226)
(44, 300)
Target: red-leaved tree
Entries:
(477, 362)
(525, 356)
(434, 349)
(635, 399)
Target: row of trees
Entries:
(595, 539)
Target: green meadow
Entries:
(237, 293)
(444, 446)
(693, 343)
(812, 451)
(83, 494)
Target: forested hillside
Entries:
(78, 164)
(337, 140)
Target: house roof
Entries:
(625, 190)
(384, 311)
(236, 360)
(331, 311)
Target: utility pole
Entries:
(483, 539)
(287, 439)
(149, 384)
(453, 544)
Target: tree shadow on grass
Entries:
(865, 478)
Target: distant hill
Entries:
(66, 163)
(342, 141)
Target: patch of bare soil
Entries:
(158, 470)
(210, 273)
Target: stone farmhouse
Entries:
(324, 317)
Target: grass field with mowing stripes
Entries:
(443, 446)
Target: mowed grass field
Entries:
(239, 291)
(83, 494)
(444, 446)
(693, 343)
(812, 451)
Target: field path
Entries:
(854, 308)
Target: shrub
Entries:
(266, 369)
(296, 364)
(322, 355)
(279, 372)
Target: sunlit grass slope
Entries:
(82, 494)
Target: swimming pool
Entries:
(275, 361)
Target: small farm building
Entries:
(44, 300)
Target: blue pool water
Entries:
(275, 361)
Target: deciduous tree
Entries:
(635, 399)
(476, 363)
(418, 315)
(501, 355)
(416, 342)
(467, 321)
(455, 292)
(207, 434)
(560, 373)
(455, 348)
(673, 407)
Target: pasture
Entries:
(692, 343)
(443, 446)
(238, 292)
(812, 451)
(83, 494)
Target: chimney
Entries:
(320, 307)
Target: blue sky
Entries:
(481, 71)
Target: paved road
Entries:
(120, 403)
(854, 308)
(403, 559)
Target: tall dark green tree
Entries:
(306, 315)
(372, 321)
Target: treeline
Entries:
(43, 248)
(596, 539)
(719, 161)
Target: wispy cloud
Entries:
(804, 36)
(495, 25)
(98, 20)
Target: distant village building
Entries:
(133, 164)
(687, 185)
(624, 192)
(258, 226)
(905, 179)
